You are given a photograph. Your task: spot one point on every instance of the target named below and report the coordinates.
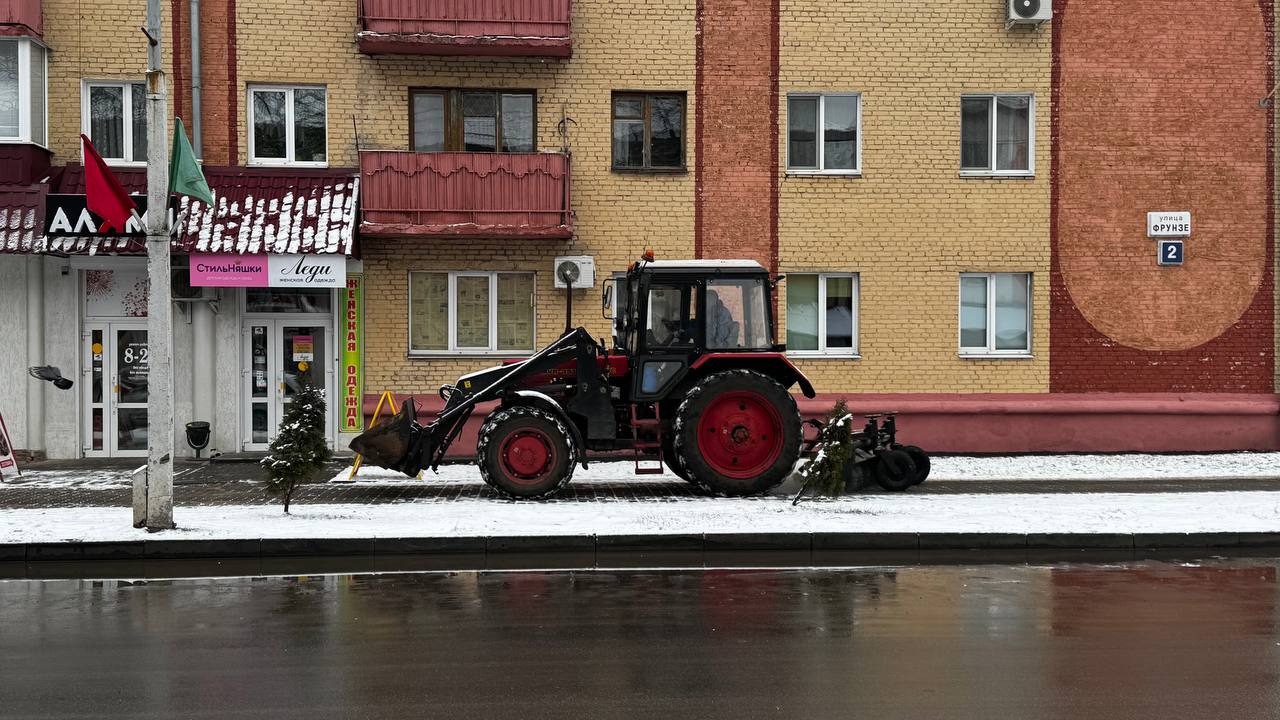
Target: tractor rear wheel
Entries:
(525, 453)
(737, 433)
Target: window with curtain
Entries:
(471, 312)
(822, 313)
(473, 120)
(116, 120)
(996, 134)
(822, 133)
(648, 131)
(995, 313)
(23, 73)
(288, 125)
(10, 89)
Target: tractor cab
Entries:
(669, 315)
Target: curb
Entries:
(164, 558)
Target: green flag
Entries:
(185, 175)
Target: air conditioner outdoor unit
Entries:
(183, 290)
(1028, 12)
(577, 271)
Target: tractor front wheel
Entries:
(737, 433)
(525, 453)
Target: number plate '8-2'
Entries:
(1171, 252)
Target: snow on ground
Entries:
(1007, 513)
(54, 479)
(1106, 467)
(1017, 467)
(1014, 467)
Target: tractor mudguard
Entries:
(775, 365)
(542, 401)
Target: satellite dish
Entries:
(568, 272)
(1026, 8)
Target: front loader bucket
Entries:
(388, 444)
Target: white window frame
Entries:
(823, 350)
(290, 129)
(25, 135)
(991, 170)
(452, 315)
(856, 171)
(86, 112)
(990, 350)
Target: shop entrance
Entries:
(286, 341)
(118, 362)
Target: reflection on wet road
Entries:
(1145, 640)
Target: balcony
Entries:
(513, 28)
(465, 194)
(21, 18)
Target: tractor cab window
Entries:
(672, 316)
(736, 315)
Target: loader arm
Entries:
(402, 444)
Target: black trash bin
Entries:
(198, 436)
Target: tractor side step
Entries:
(648, 451)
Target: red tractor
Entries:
(694, 380)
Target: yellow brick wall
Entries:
(635, 45)
(97, 40)
(910, 224)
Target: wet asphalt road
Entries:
(1145, 640)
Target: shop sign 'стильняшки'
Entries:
(293, 271)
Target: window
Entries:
(470, 312)
(23, 94)
(823, 133)
(287, 126)
(997, 134)
(995, 314)
(672, 317)
(115, 119)
(648, 131)
(473, 121)
(737, 315)
(822, 314)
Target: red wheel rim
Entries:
(740, 434)
(528, 456)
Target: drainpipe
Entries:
(35, 352)
(197, 83)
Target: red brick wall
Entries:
(736, 154)
(1158, 110)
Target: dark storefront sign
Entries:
(69, 216)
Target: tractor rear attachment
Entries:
(876, 450)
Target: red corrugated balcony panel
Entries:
(465, 194)
(21, 17)
(527, 28)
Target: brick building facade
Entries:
(958, 206)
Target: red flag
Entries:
(104, 195)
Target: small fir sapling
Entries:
(300, 448)
(826, 472)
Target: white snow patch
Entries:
(1012, 513)
(1106, 467)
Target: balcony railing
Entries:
(21, 17)
(529, 28)
(465, 194)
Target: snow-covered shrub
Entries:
(826, 472)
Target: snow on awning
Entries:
(21, 209)
(255, 211)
